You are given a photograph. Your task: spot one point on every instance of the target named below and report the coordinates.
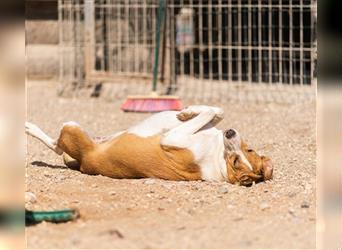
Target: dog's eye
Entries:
(250, 150)
(236, 160)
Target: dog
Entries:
(172, 145)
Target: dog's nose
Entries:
(230, 133)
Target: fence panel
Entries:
(209, 46)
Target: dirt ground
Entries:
(150, 213)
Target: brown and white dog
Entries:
(170, 145)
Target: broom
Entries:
(153, 102)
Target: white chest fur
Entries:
(208, 149)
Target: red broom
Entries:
(153, 102)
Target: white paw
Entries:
(31, 129)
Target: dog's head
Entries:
(244, 165)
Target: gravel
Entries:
(277, 214)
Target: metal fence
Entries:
(208, 46)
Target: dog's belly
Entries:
(131, 156)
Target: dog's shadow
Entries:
(47, 165)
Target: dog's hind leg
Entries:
(71, 162)
(35, 131)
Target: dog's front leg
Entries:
(194, 110)
(180, 135)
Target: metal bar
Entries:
(78, 43)
(90, 42)
(240, 30)
(313, 11)
(61, 41)
(236, 47)
(71, 45)
(173, 83)
(230, 51)
(144, 65)
(191, 53)
(291, 43)
(249, 70)
(182, 64)
(127, 41)
(162, 68)
(110, 33)
(118, 38)
(301, 75)
(270, 58)
(135, 52)
(102, 38)
(280, 42)
(210, 42)
(219, 42)
(260, 41)
(139, 4)
(238, 5)
(201, 46)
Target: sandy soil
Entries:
(149, 213)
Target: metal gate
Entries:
(209, 46)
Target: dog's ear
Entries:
(267, 168)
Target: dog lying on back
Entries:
(170, 145)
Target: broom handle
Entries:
(161, 13)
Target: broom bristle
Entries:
(151, 104)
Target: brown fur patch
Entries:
(129, 156)
(239, 173)
(262, 165)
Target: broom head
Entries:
(151, 103)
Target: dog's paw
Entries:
(192, 111)
(30, 128)
(186, 115)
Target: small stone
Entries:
(191, 211)
(168, 185)
(149, 182)
(291, 194)
(112, 193)
(60, 178)
(116, 233)
(305, 204)
(47, 174)
(94, 186)
(238, 218)
(291, 211)
(223, 190)
(30, 197)
(312, 219)
(264, 206)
